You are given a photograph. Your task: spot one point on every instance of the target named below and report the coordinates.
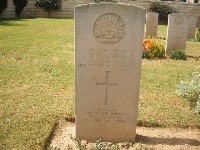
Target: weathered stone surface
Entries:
(192, 22)
(108, 49)
(151, 23)
(176, 32)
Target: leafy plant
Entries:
(78, 143)
(178, 54)
(19, 6)
(3, 5)
(153, 49)
(100, 145)
(198, 35)
(163, 9)
(190, 90)
(98, 1)
(49, 5)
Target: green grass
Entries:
(36, 80)
(37, 83)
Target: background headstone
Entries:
(151, 23)
(192, 22)
(108, 52)
(176, 32)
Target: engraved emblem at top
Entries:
(179, 20)
(109, 28)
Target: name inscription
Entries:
(106, 115)
(102, 57)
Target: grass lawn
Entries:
(37, 83)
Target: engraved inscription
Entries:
(109, 28)
(107, 84)
(106, 115)
(177, 38)
(179, 20)
(109, 58)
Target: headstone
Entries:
(108, 52)
(176, 32)
(151, 23)
(123, 1)
(192, 22)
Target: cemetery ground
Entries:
(37, 84)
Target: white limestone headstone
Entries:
(151, 23)
(108, 52)
(176, 32)
(192, 22)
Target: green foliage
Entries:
(19, 6)
(99, 1)
(153, 49)
(3, 5)
(161, 8)
(49, 5)
(157, 50)
(100, 145)
(198, 35)
(190, 90)
(146, 54)
(78, 143)
(178, 54)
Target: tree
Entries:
(3, 5)
(49, 5)
(19, 6)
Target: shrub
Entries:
(190, 90)
(153, 49)
(19, 6)
(160, 8)
(49, 5)
(3, 5)
(178, 54)
(163, 9)
(198, 35)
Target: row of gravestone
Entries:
(180, 28)
(108, 56)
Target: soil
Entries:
(146, 139)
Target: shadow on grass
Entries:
(50, 137)
(167, 141)
(11, 22)
(70, 119)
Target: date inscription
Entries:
(106, 115)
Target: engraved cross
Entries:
(107, 84)
(177, 37)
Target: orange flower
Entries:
(147, 44)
